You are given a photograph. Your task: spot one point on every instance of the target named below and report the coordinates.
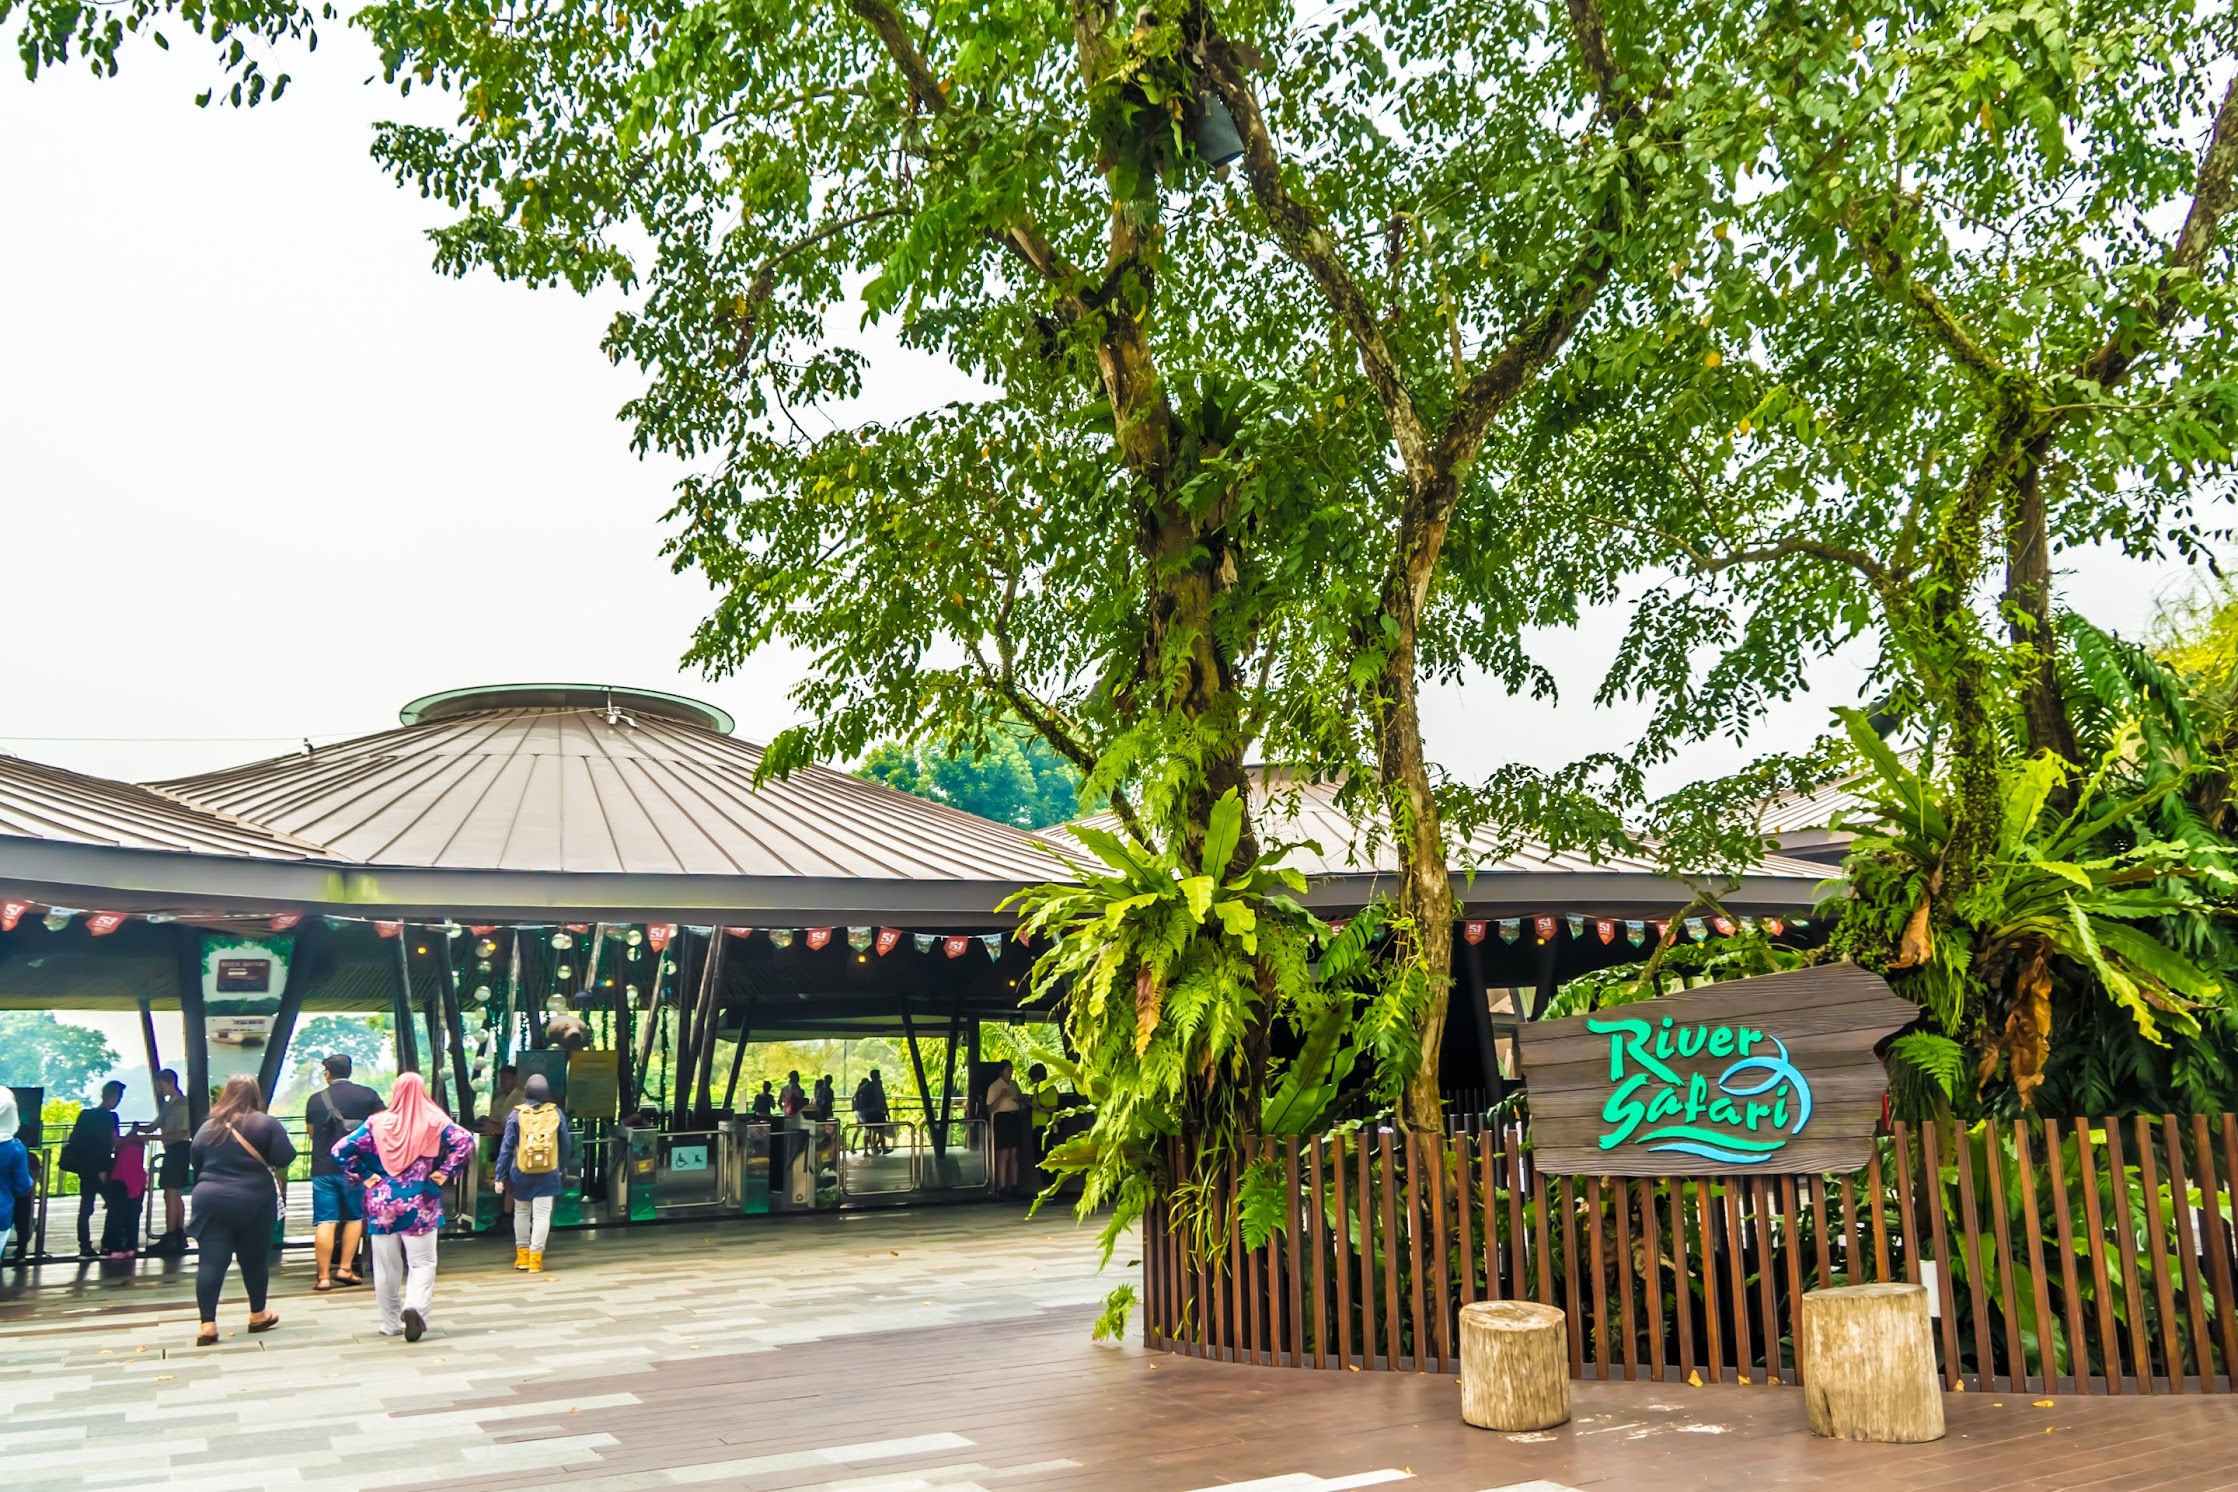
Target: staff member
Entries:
(174, 1171)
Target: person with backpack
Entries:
(337, 1202)
(402, 1156)
(532, 1163)
(90, 1154)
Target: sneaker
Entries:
(415, 1325)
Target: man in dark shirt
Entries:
(337, 1202)
(90, 1154)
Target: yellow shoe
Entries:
(521, 1258)
(535, 1261)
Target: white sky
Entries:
(267, 475)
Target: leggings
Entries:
(227, 1230)
(532, 1221)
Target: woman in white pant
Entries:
(532, 1163)
(402, 1157)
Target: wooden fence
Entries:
(2063, 1256)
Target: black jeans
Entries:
(91, 1186)
(227, 1229)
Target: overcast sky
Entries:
(267, 475)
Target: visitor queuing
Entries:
(337, 1202)
(765, 1103)
(873, 1115)
(826, 1102)
(237, 1155)
(174, 1126)
(510, 1096)
(90, 1154)
(1006, 1116)
(532, 1163)
(402, 1156)
(15, 1169)
(126, 1196)
(792, 1100)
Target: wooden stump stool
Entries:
(1515, 1366)
(1868, 1361)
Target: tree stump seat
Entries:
(1868, 1362)
(1515, 1366)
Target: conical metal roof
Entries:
(586, 779)
(59, 806)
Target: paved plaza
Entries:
(933, 1349)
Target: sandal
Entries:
(343, 1278)
(271, 1320)
(323, 1286)
(206, 1337)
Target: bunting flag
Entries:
(1635, 933)
(924, 941)
(1774, 926)
(1510, 928)
(11, 912)
(484, 930)
(159, 917)
(1802, 922)
(1695, 930)
(58, 918)
(888, 938)
(740, 932)
(992, 942)
(1338, 926)
(819, 938)
(285, 921)
(956, 946)
(1724, 926)
(1605, 930)
(577, 927)
(858, 938)
(1748, 924)
(101, 924)
(659, 935)
(780, 937)
(1577, 928)
(1473, 930)
(333, 924)
(389, 929)
(1662, 932)
(1543, 925)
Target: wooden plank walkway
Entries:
(924, 1350)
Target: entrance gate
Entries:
(2070, 1256)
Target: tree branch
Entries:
(1894, 276)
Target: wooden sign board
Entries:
(1774, 1075)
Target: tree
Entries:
(1015, 778)
(364, 1040)
(36, 1050)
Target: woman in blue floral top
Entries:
(402, 1157)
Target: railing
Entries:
(2084, 1256)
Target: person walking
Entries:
(337, 1202)
(1007, 1117)
(402, 1156)
(532, 1163)
(174, 1126)
(90, 1154)
(237, 1155)
(765, 1103)
(826, 1100)
(872, 1114)
(792, 1100)
(15, 1169)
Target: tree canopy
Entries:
(39, 1051)
(1016, 777)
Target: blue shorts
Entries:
(336, 1199)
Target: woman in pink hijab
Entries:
(402, 1156)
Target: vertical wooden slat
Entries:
(1604, 1333)
(1713, 1325)
(2078, 1354)
(1653, 1247)
(1765, 1196)
(1791, 1244)
(1875, 1188)
(1736, 1268)
(1341, 1210)
(1464, 1230)
(2218, 1249)
(2187, 1253)
(1939, 1237)
(1295, 1236)
(1237, 1323)
(1822, 1218)
(1573, 1278)
(1516, 1230)
(1434, 1149)
(2125, 1246)
(1682, 1276)
(1367, 1282)
(1993, 1156)
(2109, 1341)
(1490, 1188)
(1970, 1241)
(2156, 1237)
(1853, 1240)
(2032, 1226)
(1388, 1186)
(1620, 1196)
(1317, 1199)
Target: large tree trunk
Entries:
(2028, 616)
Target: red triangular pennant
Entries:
(955, 946)
(888, 939)
(1473, 929)
(1606, 929)
(819, 937)
(101, 924)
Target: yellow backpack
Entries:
(537, 1149)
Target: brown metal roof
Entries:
(49, 803)
(578, 786)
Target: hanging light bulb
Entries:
(483, 967)
(564, 971)
(452, 930)
(633, 937)
(668, 966)
(481, 994)
(555, 1003)
(563, 940)
(487, 948)
(630, 990)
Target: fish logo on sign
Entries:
(1759, 1102)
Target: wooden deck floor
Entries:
(930, 1350)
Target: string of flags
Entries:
(1545, 925)
(658, 935)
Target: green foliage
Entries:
(1111, 1324)
(1012, 776)
(364, 1040)
(39, 1051)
